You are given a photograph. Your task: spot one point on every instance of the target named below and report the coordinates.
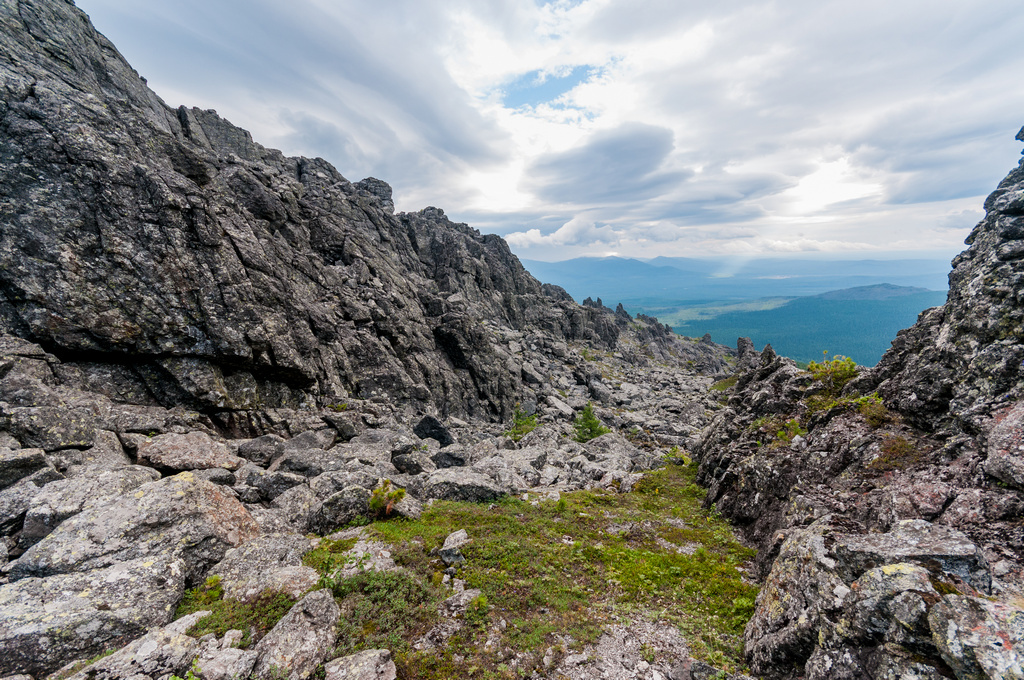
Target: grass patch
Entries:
(328, 556)
(565, 568)
(254, 618)
(723, 385)
(896, 453)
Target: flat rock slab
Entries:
(190, 451)
(178, 516)
(920, 542)
(46, 623)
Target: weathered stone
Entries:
(300, 641)
(15, 500)
(45, 623)
(430, 427)
(372, 664)
(177, 516)
(20, 463)
(157, 655)
(221, 660)
(341, 508)
(272, 562)
(1006, 447)
(414, 463)
(298, 507)
(54, 427)
(189, 451)
(979, 639)
(65, 498)
(262, 450)
(460, 484)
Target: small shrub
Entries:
(874, 411)
(790, 429)
(339, 408)
(587, 426)
(384, 498)
(833, 374)
(258, 616)
(329, 555)
(522, 424)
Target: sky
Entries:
(639, 128)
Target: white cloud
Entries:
(740, 126)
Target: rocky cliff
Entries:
(872, 493)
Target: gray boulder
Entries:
(178, 516)
(156, 655)
(300, 641)
(65, 498)
(262, 450)
(272, 562)
(341, 508)
(16, 499)
(372, 664)
(461, 484)
(17, 464)
(46, 623)
(979, 639)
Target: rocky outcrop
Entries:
(931, 435)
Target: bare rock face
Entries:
(180, 516)
(966, 359)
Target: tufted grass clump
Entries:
(896, 453)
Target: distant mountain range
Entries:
(672, 280)
(801, 307)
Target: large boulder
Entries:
(46, 623)
(272, 562)
(461, 484)
(834, 597)
(979, 639)
(157, 655)
(65, 498)
(178, 516)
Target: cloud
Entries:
(612, 166)
(664, 128)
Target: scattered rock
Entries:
(300, 641)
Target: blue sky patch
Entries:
(537, 87)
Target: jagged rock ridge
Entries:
(166, 258)
(928, 440)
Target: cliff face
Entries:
(167, 258)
